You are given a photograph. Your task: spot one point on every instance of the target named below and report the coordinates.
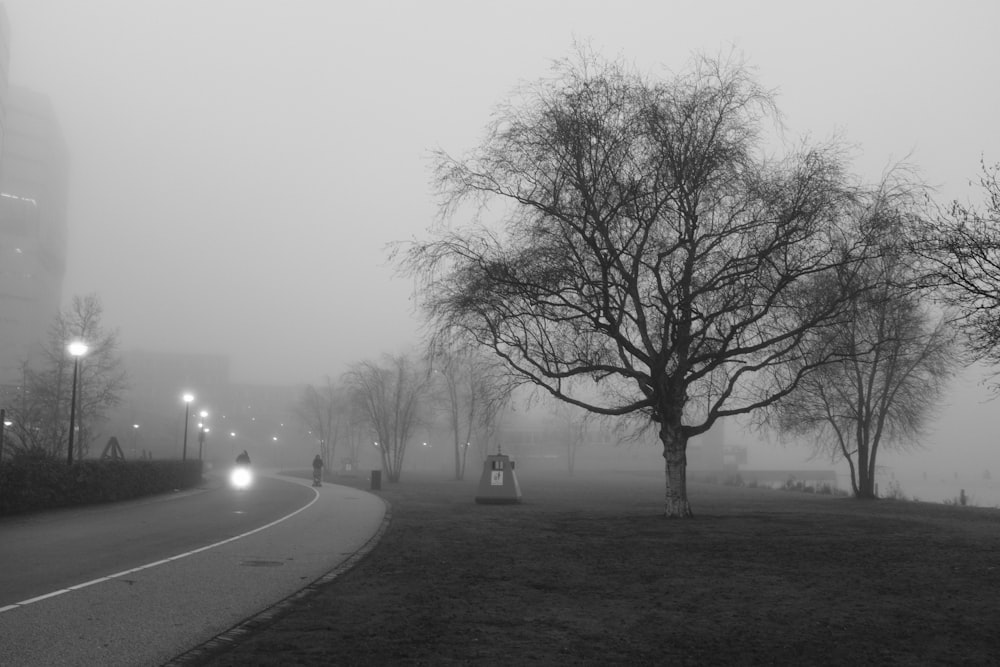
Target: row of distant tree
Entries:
(386, 400)
(389, 399)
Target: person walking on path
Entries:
(317, 470)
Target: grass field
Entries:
(586, 571)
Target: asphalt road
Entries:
(139, 583)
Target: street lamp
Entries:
(3, 424)
(187, 407)
(135, 437)
(76, 349)
(201, 432)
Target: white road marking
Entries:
(85, 584)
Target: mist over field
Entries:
(238, 167)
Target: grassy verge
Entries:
(586, 571)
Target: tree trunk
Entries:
(866, 474)
(675, 453)
(866, 488)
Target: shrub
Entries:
(31, 483)
(734, 480)
(895, 492)
(792, 484)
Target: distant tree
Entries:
(573, 423)
(472, 388)
(645, 244)
(962, 248)
(895, 354)
(40, 411)
(322, 412)
(331, 415)
(24, 435)
(393, 396)
(356, 430)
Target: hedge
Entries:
(31, 484)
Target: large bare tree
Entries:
(392, 395)
(896, 353)
(641, 241)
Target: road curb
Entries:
(239, 632)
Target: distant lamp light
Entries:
(187, 398)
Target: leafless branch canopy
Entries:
(962, 249)
(643, 242)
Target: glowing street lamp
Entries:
(76, 349)
(187, 407)
(201, 432)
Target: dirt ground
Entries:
(586, 571)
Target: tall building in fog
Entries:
(33, 188)
(4, 69)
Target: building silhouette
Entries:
(4, 70)
(33, 190)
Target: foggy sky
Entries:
(238, 166)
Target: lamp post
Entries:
(187, 407)
(76, 349)
(204, 434)
(135, 438)
(201, 432)
(4, 425)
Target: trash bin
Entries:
(376, 480)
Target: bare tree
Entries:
(355, 431)
(323, 412)
(473, 388)
(644, 244)
(573, 423)
(25, 434)
(895, 355)
(40, 413)
(962, 248)
(392, 396)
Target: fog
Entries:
(238, 166)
